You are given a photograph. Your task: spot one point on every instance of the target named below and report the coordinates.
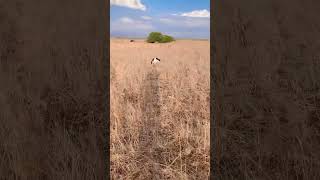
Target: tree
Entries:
(154, 37)
(166, 38)
(158, 37)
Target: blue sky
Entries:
(178, 18)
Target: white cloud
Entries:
(167, 21)
(126, 24)
(126, 20)
(197, 22)
(134, 4)
(175, 14)
(186, 22)
(197, 13)
(146, 17)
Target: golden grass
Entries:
(52, 92)
(269, 61)
(159, 114)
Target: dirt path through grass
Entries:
(150, 108)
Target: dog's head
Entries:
(155, 60)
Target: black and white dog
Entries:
(155, 60)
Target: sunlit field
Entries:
(160, 113)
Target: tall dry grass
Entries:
(269, 59)
(51, 92)
(159, 114)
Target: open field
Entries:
(52, 92)
(159, 114)
(268, 58)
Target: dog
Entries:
(155, 60)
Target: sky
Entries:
(177, 18)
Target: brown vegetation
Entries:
(159, 113)
(268, 52)
(51, 90)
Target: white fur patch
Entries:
(155, 60)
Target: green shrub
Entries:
(158, 37)
(154, 37)
(166, 38)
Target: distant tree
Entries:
(166, 38)
(154, 37)
(158, 37)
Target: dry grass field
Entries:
(52, 90)
(268, 55)
(159, 113)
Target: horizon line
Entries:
(181, 38)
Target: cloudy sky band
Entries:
(135, 18)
